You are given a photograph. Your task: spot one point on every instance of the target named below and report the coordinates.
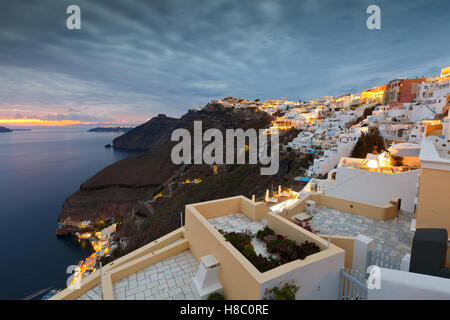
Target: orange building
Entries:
(401, 91)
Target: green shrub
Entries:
(262, 263)
(216, 296)
(238, 239)
(280, 245)
(264, 232)
(396, 161)
(242, 242)
(287, 249)
(287, 292)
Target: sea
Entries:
(39, 169)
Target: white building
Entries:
(356, 180)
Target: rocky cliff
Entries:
(148, 135)
(215, 115)
(118, 190)
(114, 191)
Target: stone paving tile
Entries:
(391, 237)
(170, 279)
(93, 294)
(237, 222)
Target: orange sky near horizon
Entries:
(40, 122)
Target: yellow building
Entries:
(445, 72)
(373, 95)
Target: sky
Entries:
(132, 60)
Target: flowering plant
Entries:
(287, 292)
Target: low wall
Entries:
(93, 279)
(255, 211)
(86, 284)
(376, 188)
(345, 243)
(237, 275)
(317, 275)
(401, 285)
(148, 248)
(217, 208)
(148, 260)
(294, 232)
(360, 208)
(240, 279)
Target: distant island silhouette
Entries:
(110, 129)
(4, 129)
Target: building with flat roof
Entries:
(401, 91)
(372, 95)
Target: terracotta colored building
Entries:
(401, 91)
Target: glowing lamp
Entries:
(372, 164)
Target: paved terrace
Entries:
(393, 236)
(239, 222)
(93, 294)
(170, 279)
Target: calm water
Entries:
(39, 169)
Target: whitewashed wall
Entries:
(318, 280)
(401, 285)
(374, 187)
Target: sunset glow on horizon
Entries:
(40, 122)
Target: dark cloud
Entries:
(147, 57)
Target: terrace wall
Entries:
(433, 200)
(376, 188)
(345, 243)
(317, 274)
(237, 275)
(360, 208)
(155, 251)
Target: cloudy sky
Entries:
(134, 59)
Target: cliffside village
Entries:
(347, 206)
(402, 110)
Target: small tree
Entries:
(396, 161)
(367, 143)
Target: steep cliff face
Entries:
(115, 190)
(149, 135)
(214, 115)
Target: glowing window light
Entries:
(372, 164)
